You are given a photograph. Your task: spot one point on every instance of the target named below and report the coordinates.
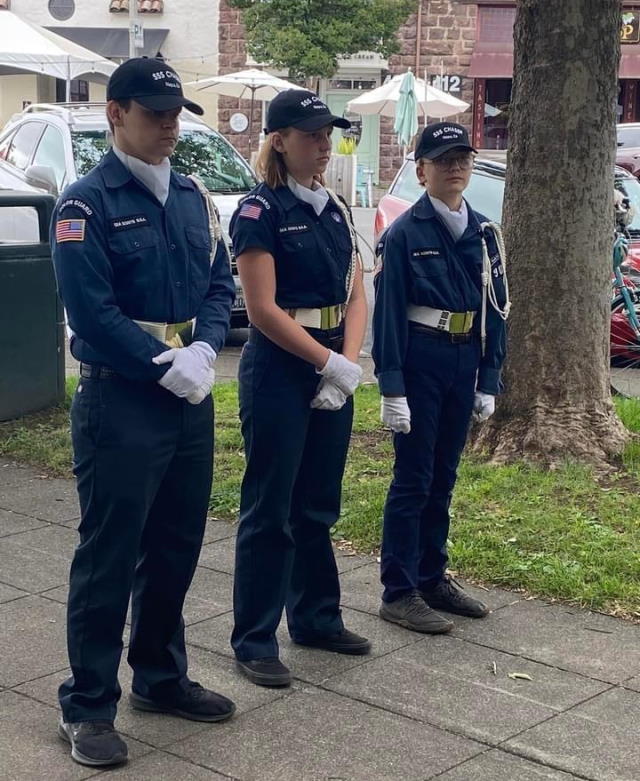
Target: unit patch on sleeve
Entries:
(250, 210)
(70, 230)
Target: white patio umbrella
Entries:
(27, 47)
(252, 84)
(432, 102)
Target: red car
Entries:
(628, 154)
(486, 187)
(486, 192)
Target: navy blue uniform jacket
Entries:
(422, 264)
(120, 255)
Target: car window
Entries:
(407, 185)
(628, 136)
(201, 152)
(210, 157)
(5, 143)
(24, 143)
(50, 152)
(485, 193)
(89, 147)
(630, 187)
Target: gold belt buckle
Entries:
(460, 322)
(330, 317)
(178, 334)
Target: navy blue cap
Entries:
(301, 109)
(442, 137)
(152, 83)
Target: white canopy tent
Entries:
(432, 102)
(28, 48)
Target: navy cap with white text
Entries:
(301, 109)
(441, 137)
(152, 83)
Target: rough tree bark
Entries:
(558, 230)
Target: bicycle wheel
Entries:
(625, 349)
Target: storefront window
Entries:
(496, 24)
(79, 91)
(352, 84)
(496, 113)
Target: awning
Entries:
(491, 66)
(630, 62)
(491, 60)
(494, 64)
(113, 42)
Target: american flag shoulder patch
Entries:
(70, 230)
(250, 210)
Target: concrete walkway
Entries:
(417, 708)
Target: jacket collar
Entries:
(423, 209)
(286, 198)
(115, 174)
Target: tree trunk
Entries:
(559, 230)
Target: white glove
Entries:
(484, 405)
(342, 372)
(198, 396)
(189, 368)
(328, 396)
(395, 413)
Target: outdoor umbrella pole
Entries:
(253, 94)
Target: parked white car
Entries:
(46, 147)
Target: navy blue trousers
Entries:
(143, 463)
(290, 499)
(440, 379)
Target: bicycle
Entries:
(625, 311)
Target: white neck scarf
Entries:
(318, 197)
(456, 221)
(154, 177)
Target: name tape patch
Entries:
(126, 223)
(426, 252)
(298, 228)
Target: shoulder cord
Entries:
(215, 228)
(488, 289)
(356, 260)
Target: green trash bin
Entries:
(31, 315)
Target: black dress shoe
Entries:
(265, 672)
(94, 743)
(412, 612)
(343, 642)
(449, 595)
(191, 701)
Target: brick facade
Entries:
(233, 57)
(447, 37)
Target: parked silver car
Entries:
(49, 146)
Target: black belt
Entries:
(92, 371)
(333, 338)
(437, 333)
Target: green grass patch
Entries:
(559, 534)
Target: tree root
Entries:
(551, 436)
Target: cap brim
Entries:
(441, 150)
(167, 102)
(315, 123)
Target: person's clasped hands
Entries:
(340, 378)
(191, 375)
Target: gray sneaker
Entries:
(413, 613)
